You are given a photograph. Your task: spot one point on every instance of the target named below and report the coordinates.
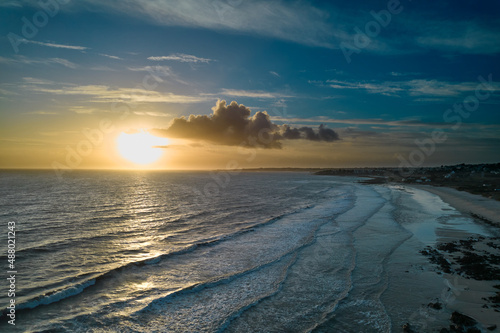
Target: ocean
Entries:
(151, 251)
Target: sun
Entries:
(141, 147)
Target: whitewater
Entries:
(137, 251)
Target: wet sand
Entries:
(470, 264)
(466, 202)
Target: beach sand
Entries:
(466, 202)
(473, 269)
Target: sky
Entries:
(212, 84)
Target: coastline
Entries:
(465, 202)
(470, 263)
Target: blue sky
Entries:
(381, 74)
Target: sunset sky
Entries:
(343, 83)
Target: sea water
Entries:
(132, 251)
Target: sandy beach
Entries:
(466, 202)
(470, 263)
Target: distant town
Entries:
(483, 179)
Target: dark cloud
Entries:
(290, 133)
(233, 125)
(323, 134)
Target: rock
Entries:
(435, 306)
(448, 247)
(473, 330)
(462, 320)
(407, 328)
(495, 299)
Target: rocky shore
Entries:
(475, 261)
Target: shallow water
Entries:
(146, 252)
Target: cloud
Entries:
(448, 28)
(152, 114)
(466, 37)
(411, 124)
(405, 74)
(160, 73)
(251, 93)
(164, 70)
(103, 68)
(86, 110)
(293, 21)
(43, 113)
(64, 62)
(32, 80)
(419, 87)
(27, 61)
(110, 56)
(233, 125)
(182, 58)
(102, 93)
(384, 88)
(7, 92)
(274, 73)
(59, 46)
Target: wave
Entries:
(78, 288)
(62, 244)
(329, 314)
(53, 297)
(316, 235)
(278, 288)
(57, 296)
(196, 287)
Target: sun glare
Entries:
(141, 147)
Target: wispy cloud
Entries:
(304, 23)
(318, 25)
(102, 93)
(28, 61)
(7, 92)
(460, 36)
(103, 68)
(385, 88)
(294, 21)
(110, 56)
(152, 114)
(274, 74)
(59, 46)
(438, 88)
(159, 72)
(397, 74)
(418, 87)
(64, 62)
(43, 113)
(182, 58)
(85, 110)
(383, 123)
(251, 93)
(32, 80)
(164, 70)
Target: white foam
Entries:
(57, 296)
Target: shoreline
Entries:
(475, 205)
(471, 265)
